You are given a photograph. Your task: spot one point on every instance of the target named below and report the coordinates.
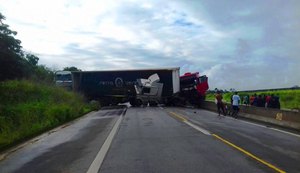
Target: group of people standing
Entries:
(235, 101)
(267, 101)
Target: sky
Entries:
(249, 44)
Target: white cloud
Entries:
(245, 40)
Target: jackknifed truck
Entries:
(140, 86)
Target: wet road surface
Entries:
(69, 149)
(156, 139)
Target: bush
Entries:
(94, 105)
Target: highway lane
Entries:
(155, 139)
(280, 149)
(152, 140)
(70, 148)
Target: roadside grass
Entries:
(28, 109)
(289, 99)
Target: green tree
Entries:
(12, 63)
(71, 69)
(8, 43)
(43, 74)
(32, 59)
(39, 73)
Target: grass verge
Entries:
(28, 109)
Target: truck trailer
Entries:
(119, 86)
(140, 86)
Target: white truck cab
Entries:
(63, 79)
(149, 90)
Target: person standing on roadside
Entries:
(235, 104)
(251, 100)
(220, 104)
(255, 100)
(260, 101)
(276, 102)
(268, 99)
(246, 100)
(271, 103)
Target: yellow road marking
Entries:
(178, 117)
(183, 119)
(249, 154)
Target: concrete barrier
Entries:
(284, 118)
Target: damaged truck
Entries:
(140, 86)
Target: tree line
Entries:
(15, 63)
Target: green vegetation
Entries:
(27, 109)
(71, 69)
(15, 63)
(29, 102)
(289, 99)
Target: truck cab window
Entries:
(202, 79)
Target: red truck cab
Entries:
(191, 82)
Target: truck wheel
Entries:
(114, 101)
(138, 102)
(152, 103)
(132, 102)
(167, 102)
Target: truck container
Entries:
(118, 86)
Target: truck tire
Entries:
(132, 102)
(138, 102)
(152, 103)
(114, 101)
(145, 104)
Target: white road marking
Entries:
(95, 166)
(198, 128)
(285, 132)
(253, 124)
(190, 123)
(258, 125)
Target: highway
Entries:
(156, 139)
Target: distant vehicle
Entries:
(63, 79)
(140, 86)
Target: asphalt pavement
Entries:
(154, 140)
(68, 149)
(279, 148)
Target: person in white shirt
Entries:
(235, 104)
